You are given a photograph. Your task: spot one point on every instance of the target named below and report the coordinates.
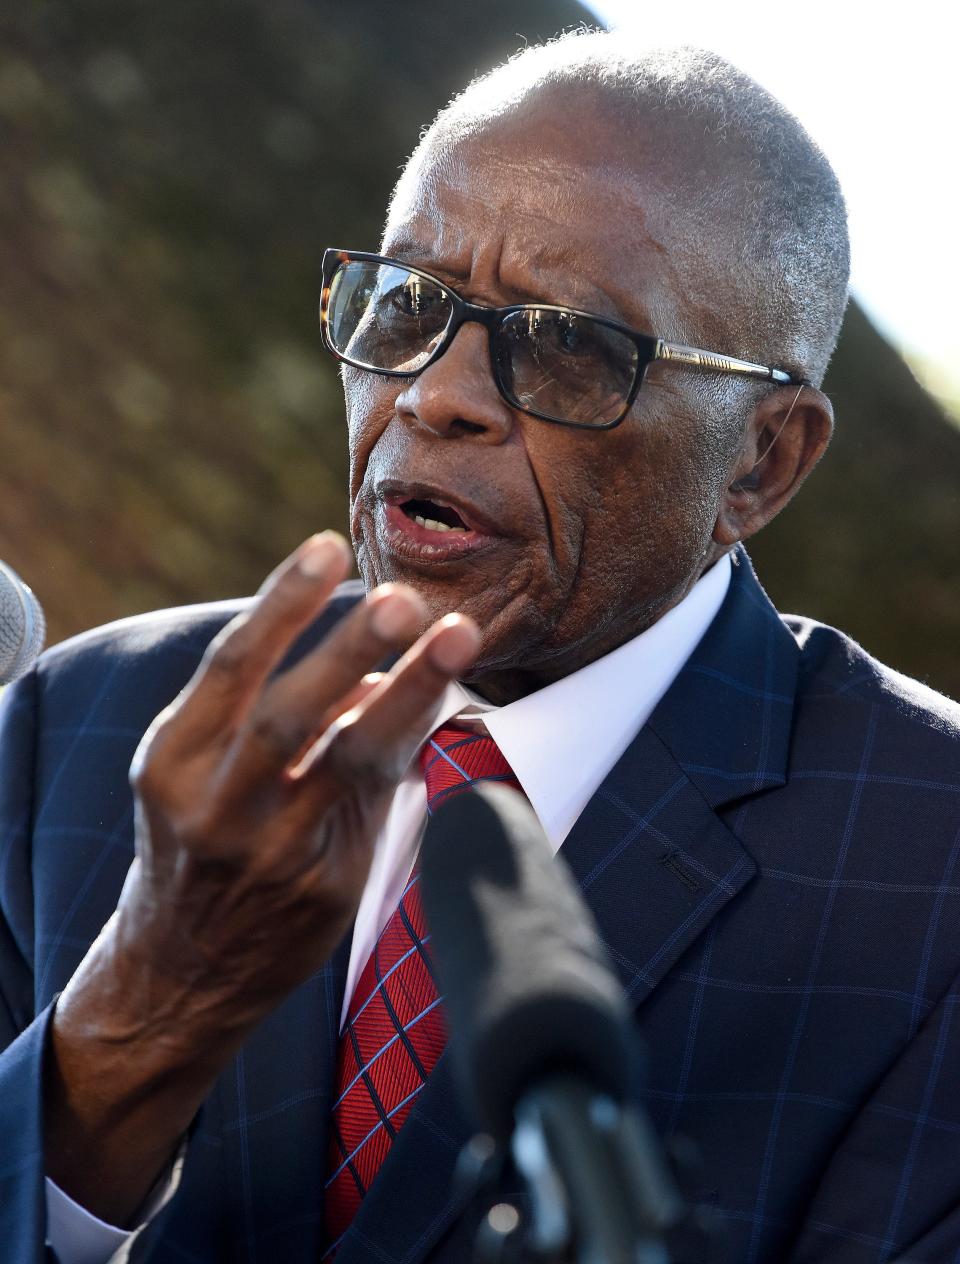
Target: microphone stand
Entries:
(600, 1191)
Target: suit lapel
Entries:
(656, 865)
(262, 1136)
(655, 861)
(415, 1198)
(728, 717)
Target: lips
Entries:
(425, 523)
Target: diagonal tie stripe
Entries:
(454, 759)
(394, 1031)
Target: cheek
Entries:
(369, 406)
(650, 518)
(564, 480)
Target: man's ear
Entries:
(785, 437)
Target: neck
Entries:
(504, 682)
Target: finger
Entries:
(355, 697)
(373, 743)
(348, 702)
(292, 712)
(240, 659)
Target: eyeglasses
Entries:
(555, 363)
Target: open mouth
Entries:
(433, 516)
(421, 527)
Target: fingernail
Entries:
(393, 613)
(319, 553)
(452, 652)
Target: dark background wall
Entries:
(169, 426)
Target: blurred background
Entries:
(170, 427)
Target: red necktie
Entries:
(394, 1032)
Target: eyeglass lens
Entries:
(557, 364)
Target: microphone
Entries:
(540, 1031)
(22, 626)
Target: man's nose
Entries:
(457, 393)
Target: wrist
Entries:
(139, 1024)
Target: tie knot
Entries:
(454, 758)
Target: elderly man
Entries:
(583, 371)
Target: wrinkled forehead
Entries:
(569, 204)
(534, 154)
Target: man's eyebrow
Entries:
(600, 302)
(408, 250)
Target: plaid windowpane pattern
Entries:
(394, 1031)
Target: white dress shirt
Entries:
(560, 742)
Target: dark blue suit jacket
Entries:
(775, 867)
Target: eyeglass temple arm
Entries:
(693, 358)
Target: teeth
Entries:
(431, 524)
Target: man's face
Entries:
(575, 540)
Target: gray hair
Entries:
(758, 194)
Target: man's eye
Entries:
(415, 299)
(570, 339)
(573, 339)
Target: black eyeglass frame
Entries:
(649, 348)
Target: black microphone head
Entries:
(525, 980)
(22, 626)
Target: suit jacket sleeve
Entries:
(23, 1031)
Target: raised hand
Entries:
(258, 800)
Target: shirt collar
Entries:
(563, 740)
